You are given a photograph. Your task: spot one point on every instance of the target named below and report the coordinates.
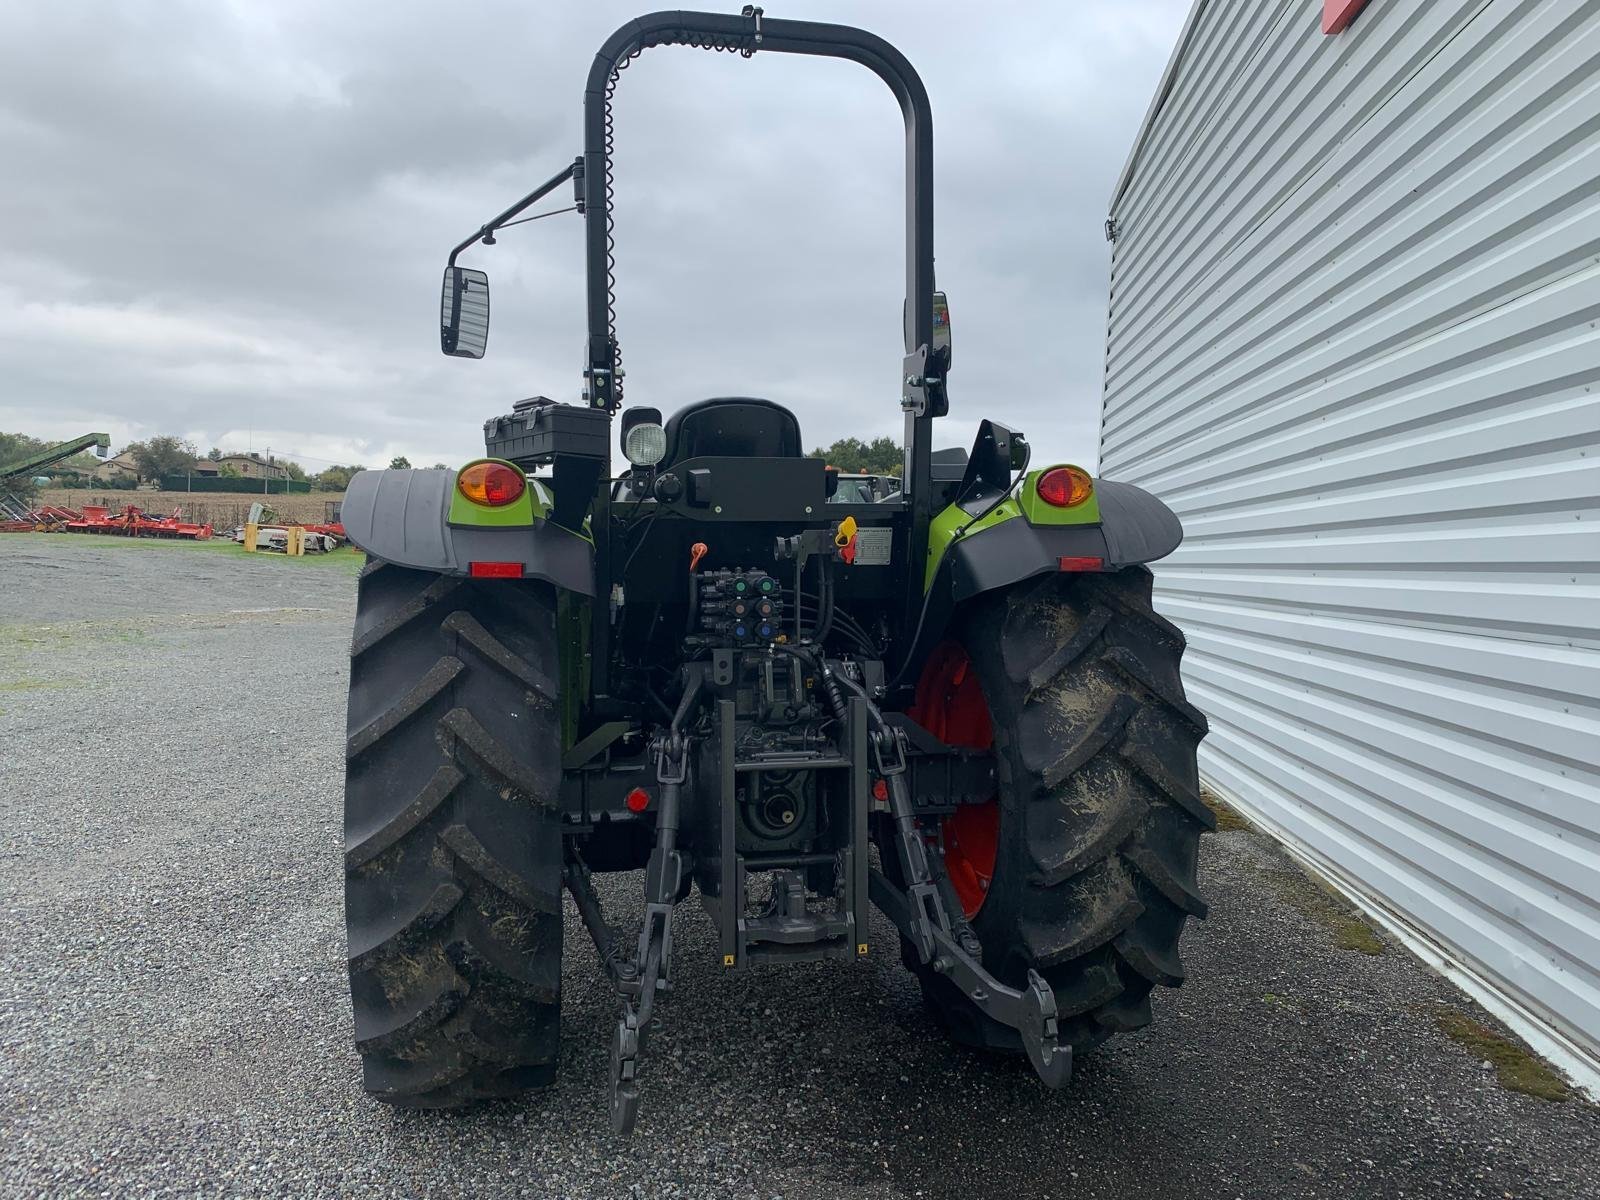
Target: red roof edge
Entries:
(1337, 14)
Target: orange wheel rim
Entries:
(950, 705)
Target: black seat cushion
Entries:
(732, 426)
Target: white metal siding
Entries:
(1352, 342)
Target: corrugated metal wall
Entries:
(1352, 342)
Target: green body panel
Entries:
(1024, 502)
(944, 526)
(1040, 513)
(519, 514)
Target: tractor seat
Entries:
(732, 426)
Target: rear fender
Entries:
(1125, 527)
(1133, 527)
(405, 517)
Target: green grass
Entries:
(67, 632)
(345, 558)
(30, 684)
(1305, 892)
(1227, 819)
(1517, 1067)
(1328, 908)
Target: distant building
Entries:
(206, 467)
(115, 470)
(251, 466)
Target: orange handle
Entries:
(696, 553)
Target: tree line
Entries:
(154, 459)
(880, 456)
(158, 457)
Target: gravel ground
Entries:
(173, 1017)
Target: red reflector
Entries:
(638, 800)
(1081, 564)
(495, 570)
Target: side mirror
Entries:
(941, 328)
(939, 352)
(464, 313)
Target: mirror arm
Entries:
(533, 197)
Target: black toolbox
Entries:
(537, 429)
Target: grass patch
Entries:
(1517, 1067)
(68, 633)
(29, 684)
(1305, 892)
(1316, 900)
(1228, 820)
(346, 557)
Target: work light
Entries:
(644, 441)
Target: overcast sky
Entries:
(228, 220)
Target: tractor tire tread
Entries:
(1100, 804)
(453, 842)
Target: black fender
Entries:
(1134, 528)
(402, 517)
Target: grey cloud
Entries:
(230, 221)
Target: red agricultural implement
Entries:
(134, 522)
(47, 518)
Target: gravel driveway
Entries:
(173, 1016)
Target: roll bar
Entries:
(923, 391)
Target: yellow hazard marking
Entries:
(727, 960)
(861, 948)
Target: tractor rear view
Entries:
(951, 701)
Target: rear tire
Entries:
(1099, 809)
(452, 840)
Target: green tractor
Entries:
(953, 702)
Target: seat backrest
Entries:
(733, 426)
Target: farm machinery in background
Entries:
(133, 521)
(262, 531)
(16, 515)
(38, 460)
(45, 518)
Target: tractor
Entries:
(952, 702)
